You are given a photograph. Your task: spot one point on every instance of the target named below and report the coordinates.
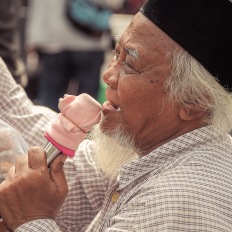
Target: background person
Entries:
(10, 50)
(65, 52)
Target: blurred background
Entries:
(38, 46)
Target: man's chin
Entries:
(113, 149)
(107, 128)
(110, 125)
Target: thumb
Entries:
(57, 172)
(58, 163)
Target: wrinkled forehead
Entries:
(147, 47)
(145, 35)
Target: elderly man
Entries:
(161, 157)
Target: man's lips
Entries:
(110, 106)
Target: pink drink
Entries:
(78, 114)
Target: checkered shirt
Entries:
(184, 185)
(19, 112)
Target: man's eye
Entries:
(127, 65)
(129, 68)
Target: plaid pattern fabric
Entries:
(184, 185)
(42, 225)
(19, 112)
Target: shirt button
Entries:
(114, 197)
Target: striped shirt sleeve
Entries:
(18, 111)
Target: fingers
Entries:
(21, 163)
(58, 163)
(57, 173)
(3, 227)
(10, 174)
(37, 159)
(28, 180)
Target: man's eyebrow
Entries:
(132, 52)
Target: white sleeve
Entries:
(87, 187)
(18, 111)
(40, 225)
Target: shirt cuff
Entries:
(40, 225)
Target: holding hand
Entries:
(31, 191)
(3, 227)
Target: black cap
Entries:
(201, 27)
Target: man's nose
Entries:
(111, 76)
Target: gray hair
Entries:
(191, 84)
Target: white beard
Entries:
(112, 151)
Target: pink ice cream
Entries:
(78, 114)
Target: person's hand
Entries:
(3, 227)
(31, 191)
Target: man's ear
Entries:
(189, 113)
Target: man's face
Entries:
(136, 101)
